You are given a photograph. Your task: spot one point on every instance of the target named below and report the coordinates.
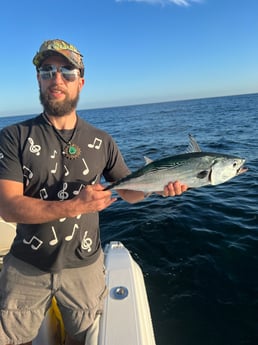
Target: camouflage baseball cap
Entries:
(57, 46)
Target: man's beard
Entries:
(58, 108)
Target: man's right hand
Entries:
(93, 198)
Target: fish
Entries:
(193, 168)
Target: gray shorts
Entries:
(26, 294)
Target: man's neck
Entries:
(62, 122)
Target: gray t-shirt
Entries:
(32, 153)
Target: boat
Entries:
(126, 318)
(7, 234)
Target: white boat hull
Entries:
(126, 318)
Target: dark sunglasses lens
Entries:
(69, 73)
(47, 72)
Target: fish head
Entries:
(225, 168)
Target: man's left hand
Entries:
(174, 188)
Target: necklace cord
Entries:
(58, 132)
(71, 151)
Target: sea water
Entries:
(198, 251)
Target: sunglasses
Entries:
(69, 73)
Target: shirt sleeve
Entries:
(10, 162)
(116, 167)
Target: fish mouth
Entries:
(242, 170)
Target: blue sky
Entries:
(135, 51)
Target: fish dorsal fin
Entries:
(147, 160)
(193, 146)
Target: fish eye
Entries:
(234, 164)
(202, 174)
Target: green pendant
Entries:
(72, 151)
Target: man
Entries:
(50, 169)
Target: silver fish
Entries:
(194, 168)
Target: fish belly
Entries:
(156, 181)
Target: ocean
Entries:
(198, 251)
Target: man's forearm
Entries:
(36, 211)
(17, 208)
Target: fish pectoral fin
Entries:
(202, 174)
(147, 160)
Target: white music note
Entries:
(37, 242)
(69, 237)
(86, 242)
(62, 195)
(61, 220)
(34, 148)
(96, 144)
(43, 193)
(76, 192)
(55, 240)
(86, 170)
(53, 171)
(27, 172)
(66, 171)
(54, 154)
(95, 180)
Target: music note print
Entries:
(55, 240)
(27, 172)
(94, 180)
(34, 242)
(96, 144)
(43, 194)
(70, 237)
(53, 171)
(34, 148)
(66, 171)
(76, 192)
(86, 242)
(62, 194)
(86, 170)
(54, 154)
